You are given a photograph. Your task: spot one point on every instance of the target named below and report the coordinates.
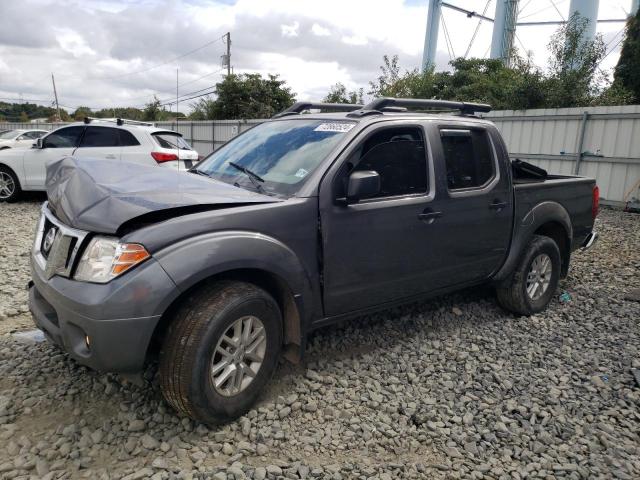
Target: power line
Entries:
(165, 62)
(525, 6)
(477, 28)
(180, 85)
(191, 98)
(26, 99)
(542, 10)
(447, 39)
(556, 7)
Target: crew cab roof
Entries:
(343, 117)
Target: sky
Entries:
(107, 53)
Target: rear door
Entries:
(101, 142)
(476, 218)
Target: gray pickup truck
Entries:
(303, 220)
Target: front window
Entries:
(281, 153)
(63, 138)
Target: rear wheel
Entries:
(220, 350)
(9, 185)
(535, 280)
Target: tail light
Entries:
(161, 157)
(595, 201)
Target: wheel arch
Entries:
(276, 286)
(549, 219)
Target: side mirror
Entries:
(364, 184)
(38, 144)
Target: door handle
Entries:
(497, 205)
(429, 217)
(110, 156)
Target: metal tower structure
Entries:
(587, 9)
(504, 29)
(505, 22)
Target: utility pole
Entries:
(177, 98)
(55, 94)
(227, 57)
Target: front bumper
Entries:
(117, 318)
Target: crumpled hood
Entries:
(101, 195)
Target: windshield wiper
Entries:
(199, 172)
(252, 175)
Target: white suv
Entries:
(114, 139)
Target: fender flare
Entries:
(541, 214)
(193, 260)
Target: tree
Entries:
(572, 79)
(627, 71)
(24, 118)
(471, 80)
(82, 112)
(154, 111)
(245, 96)
(338, 94)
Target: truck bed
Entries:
(574, 193)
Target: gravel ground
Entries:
(452, 388)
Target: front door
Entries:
(379, 249)
(56, 145)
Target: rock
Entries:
(149, 442)
(142, 473)
(160, 463)
(136, 426)
(274, 470)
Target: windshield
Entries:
(8, 135)
(282, 154)
(171, 140)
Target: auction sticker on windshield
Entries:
(334, 127)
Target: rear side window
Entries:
(64, 138)
(398, 155)
(468, 157)
(171, 140)
(101, 137)
(127, 139)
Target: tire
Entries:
(10, 190)
(515, 296)
(190, 351)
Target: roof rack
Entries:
(117, 121)
(300, 107)
(380, 105)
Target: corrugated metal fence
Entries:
(599, 142)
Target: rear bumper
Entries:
(117, 318)
(590, 240)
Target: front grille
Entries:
(56, 245)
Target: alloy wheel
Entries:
(7, 185)
(238, 356)
(539, 276)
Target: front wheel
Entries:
(535, 279)
(220, 350)
(9, 185)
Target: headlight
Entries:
(105, 258)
